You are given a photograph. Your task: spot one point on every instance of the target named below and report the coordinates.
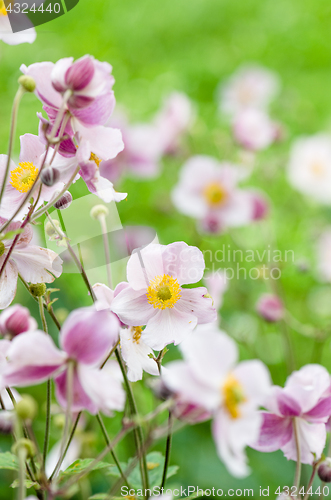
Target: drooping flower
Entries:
(135, 352)
(270, 307)
(15, 320)
(7, 35)
(309, 168)
(207, 190)
(23, 176)
(33, 263)
(302, 407)
(86, 339)
(251, 86)
(210, 378)
(155, 297)
(253, 129)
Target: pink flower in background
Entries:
(253, 129)
(270, 307)
(208, 190)
(154, 295)
(33, 263)
(217, 284)
(173, 120)
(251, 86)
(324, 256)
(86, 338)
(304, 402)
(210, 378)
(6, 32)
(260, 205)
(309, 168)
(22, 177)
(15, 320)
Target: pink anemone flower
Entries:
(33, 263)
(15, 320)
(210, 378)
(154, 295)
(86, 338)
(302, 407)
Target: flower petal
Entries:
(136, 356)
(275, 432)
(132, 307)
(312, 439)
(183, 262)
(8, 283)
(80, 401)
(193, 301)
(36, 264)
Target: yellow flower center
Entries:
(164, 291)
(23, 176)
(95, 158)
(215, 194)
(136, 334)
(233, 395)
(3, 10)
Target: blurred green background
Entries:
(191, 46)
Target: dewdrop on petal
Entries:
(324, 470)
(27, 82)
(99, 211)
(37, 289)
(64, 202)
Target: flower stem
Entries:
(19, 94)
(167, 452)
(72, 433)
(138, 433)
(59, 116)
(105, 434)
(42, 314)
(103, 224)
(311, 480)
(298, 450)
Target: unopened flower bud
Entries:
(324, 470)
(37, 289)
(270, 307)
(2, 248)
(26, 408)
(64, 202)
(99, 211)
(49, 176)
(50, 229)
(59, 421)
(27, 445)
(27, 82)
(15, 320)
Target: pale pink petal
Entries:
(80, 400)
(145, 265)
(320, 412)
(308, 385)
(88, 335)
(104, 142)
(104, 389)
(36, 264)
(312, 439)
(104, 296)
(41, 73)
(31, 149)
(275, 432)
(8, 283)
(59, 72)
(168, 326)
(179, 377)
(255, 379)
(183, 262)
(32, 358)
(132, 307)
(136, 356)
(98, 113)
(216, 283)
(193, 301)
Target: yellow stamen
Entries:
(136, 334)
(215, 194)
(233, 395)
(3, 10)
(164, 291)
(94, 158)
(23, 176)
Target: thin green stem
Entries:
(105, 434)
(298, 450)
(59, 116)
(167, 452)
(20, 92)
(61, 458)
(311, 480)
(110, 354)
(103, 224)
(42, 314)
(48, 422)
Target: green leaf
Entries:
(79, 466)
(8, 461)
(28, 484)
(155, 464)
(11, 234)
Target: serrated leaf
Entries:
(155, 464)
(79, 466)
(28, 484)
(8, 461)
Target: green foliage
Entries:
(8, 461)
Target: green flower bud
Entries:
(37, 289)
(27, 83)
(59, 421)
(26, 408)
(49, 227)
(99, 211)
(27, 445)
(2, 248)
